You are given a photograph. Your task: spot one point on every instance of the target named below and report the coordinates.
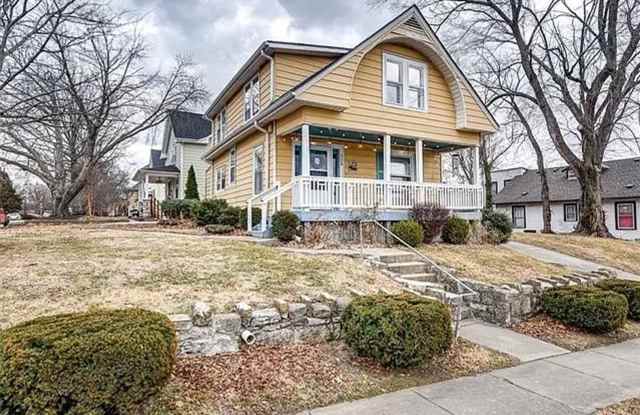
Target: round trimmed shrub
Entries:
(397, 330)
(498, 226)
(230, 217)
(98, 362)
(284, 225)
(409, 231)
(588, 308)
(256, 216)
(630, 289)
(456, 231)
(208, 211)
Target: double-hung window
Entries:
(570, 212)
(233, 162)
(258, 169)
(220, 127)
(405, 83)
(221, 178)
(519, 217)
(626, 216)
(401, 169)
(251, 98)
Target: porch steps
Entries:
(417, 275)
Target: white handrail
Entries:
(265, 197)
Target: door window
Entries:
(518, 214)
(401, 169)
(319, 162)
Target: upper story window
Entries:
(251, 98)
(220, 127)
(571, 174)
(405, 83)
(233, 164)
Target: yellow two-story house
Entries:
(331, 132)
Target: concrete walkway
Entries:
(524, 348)
(569, 384)
(553, 257)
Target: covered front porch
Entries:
(337, 174)
(154, 187)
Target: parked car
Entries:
(4, 218)
(15, 216)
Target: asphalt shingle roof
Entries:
(159, 163)
(620, 179)
(189, 125)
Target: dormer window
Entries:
(251, 98)
(571, 175)
(404, 83)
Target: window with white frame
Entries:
(251, 98)
(626, 216)
(221, 178)
(401, 169)
(405, 83)
(233, 163)
(258, 170)
(220, 127)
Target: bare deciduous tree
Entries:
(582, 63)
(87, 100)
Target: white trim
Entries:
(330, 162)
(254, 80)
(386, 154)
(419, 161)
(404, 63)
(304, 152)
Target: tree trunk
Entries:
(546, 204)
(488, 188)
(592, 219)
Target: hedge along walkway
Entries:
(553, 257)
(570, 384)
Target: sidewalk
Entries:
(569, 384)
(553, 257)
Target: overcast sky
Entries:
(220, 35)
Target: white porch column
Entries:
(306, 163)
(476, 165)
(419, 161)
(387, 157)
(146, 186)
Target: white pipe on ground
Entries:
(248, 337)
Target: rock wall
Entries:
(509, 304)
(203, 333)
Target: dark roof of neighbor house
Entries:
(620, 179)
(189, 125)
(159, 163)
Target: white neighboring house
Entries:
(521, 199)
(185, 139)
(500, 178)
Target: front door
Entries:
(324, 162)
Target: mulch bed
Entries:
(630, 407)
(553, 331)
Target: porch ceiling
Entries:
(364, 137)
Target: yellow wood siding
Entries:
(367, 112)
(290, 69)
(239, 192)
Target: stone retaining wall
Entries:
(509, 304)
(203, 333)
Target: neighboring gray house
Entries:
(185, 139)
(521, 198)
(502, 177)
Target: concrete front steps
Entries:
(416, 275)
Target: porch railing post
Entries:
(305, 149)
(387, 169)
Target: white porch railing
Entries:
(346, 193)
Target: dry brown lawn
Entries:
(289, 379)
(624, 255)
(490, 263)
(54, 269)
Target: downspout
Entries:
(265, 148)
(271, 75)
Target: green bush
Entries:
(589, 308)
(498, 226)
(256, 216)
(432, 218)
(397, 330)
(409, 231)
(284, 225)
(178, 208)
(630, 289)
(98, 362)
(219, 229)
(230, 217)
(456, 231)
(208, 211)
